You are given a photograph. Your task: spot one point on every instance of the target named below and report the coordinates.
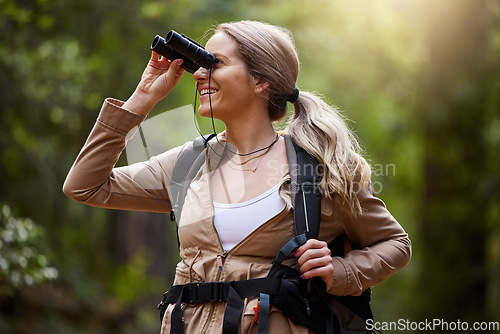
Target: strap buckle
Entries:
(162, 306)
(202, 292)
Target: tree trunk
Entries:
(130, 231)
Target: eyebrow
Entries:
(217, 55)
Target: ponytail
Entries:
(321, 130)
(269, 54)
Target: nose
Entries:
(200, 74)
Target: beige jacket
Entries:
(382, 245)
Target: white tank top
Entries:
(235, 221)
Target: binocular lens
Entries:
(177, 46)
(160, 46)
(190, 49)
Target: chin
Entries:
(204, 111)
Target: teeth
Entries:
(208, 91)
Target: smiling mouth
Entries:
(208, 91)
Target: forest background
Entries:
(419, 81)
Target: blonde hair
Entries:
(270, 54)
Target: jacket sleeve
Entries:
(93, 180)
(381, 248)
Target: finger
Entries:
(312, 254)
(314, 249)
(315, 263)
(176, 67)
(159, 62)
(154, 56)
(175, 71)
(311, 244)
(325, 273)
(180, 70)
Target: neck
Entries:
(246, 138)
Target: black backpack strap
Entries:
(306, 195)
(185, 169)
(289, 247)
(263, 316)
(306, 199)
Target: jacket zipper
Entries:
(222, 254)
(220, 263)
(221, 258)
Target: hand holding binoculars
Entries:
(178, 46)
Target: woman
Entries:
(237, 213)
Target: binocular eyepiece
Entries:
(178, 46)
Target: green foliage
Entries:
(21, 263)
(130, 282)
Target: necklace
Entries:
(261, 156)
(246, 161)
(257, 151)
(253, 170)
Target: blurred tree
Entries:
(58, 61)
(23, 262)
(458, 100)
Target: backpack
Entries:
(304, 302)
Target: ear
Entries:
(261, 86)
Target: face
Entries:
(232, 90)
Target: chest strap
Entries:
(218, 292)
(231, 292)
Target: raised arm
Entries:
(93, 180)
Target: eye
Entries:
(217, 63)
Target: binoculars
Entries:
(178, 46)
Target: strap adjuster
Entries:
(202, 292)
(217, 292)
